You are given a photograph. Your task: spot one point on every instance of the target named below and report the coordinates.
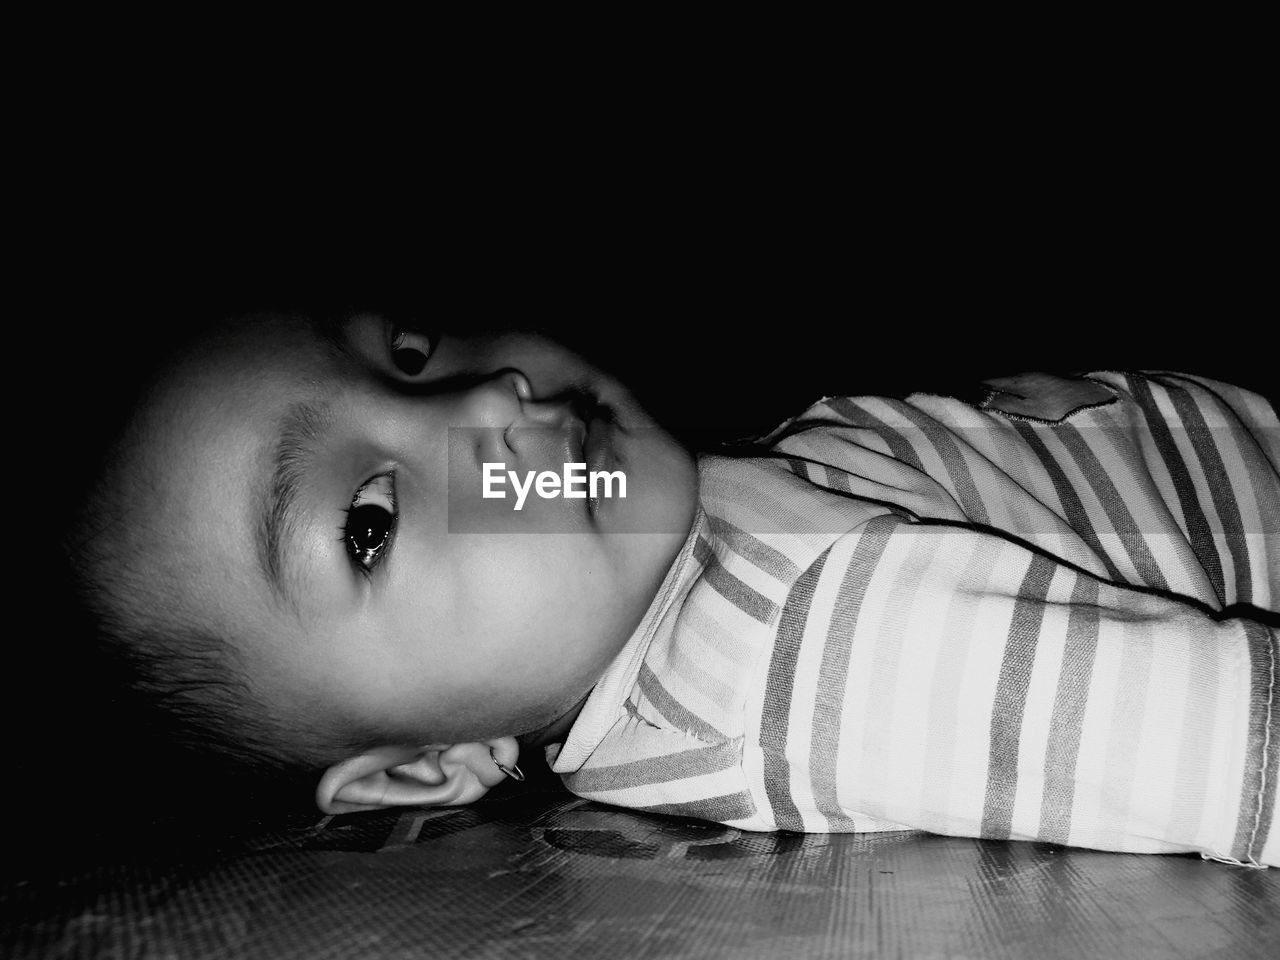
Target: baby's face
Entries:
(318, 500)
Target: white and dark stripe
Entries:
(915, 614)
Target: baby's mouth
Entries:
(598, 419)
(588, 407)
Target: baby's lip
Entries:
(581, 426)
(588, 407)
(556, 424)
(597, 442)
(579, 432)
(583, 416)
(577, 429)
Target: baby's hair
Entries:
(189, 684)
(177, 676)
(176, 680)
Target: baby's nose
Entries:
(520, 383)
(497, 401)
(555, 412)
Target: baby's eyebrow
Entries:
(298, 437)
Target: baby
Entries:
(1049, 618)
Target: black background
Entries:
(725, 313)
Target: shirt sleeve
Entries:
(947, 678)
(1173, 483)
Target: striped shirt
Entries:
(1049, 618)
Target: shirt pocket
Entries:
(1045, 397)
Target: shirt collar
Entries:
(600, 712)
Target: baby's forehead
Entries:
(183, 519)
(197, 437)
(241, 367)
(281, 343)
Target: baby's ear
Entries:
(440, 774)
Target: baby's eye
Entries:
(370, 521)
(410, 350)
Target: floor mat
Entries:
(544, 874)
